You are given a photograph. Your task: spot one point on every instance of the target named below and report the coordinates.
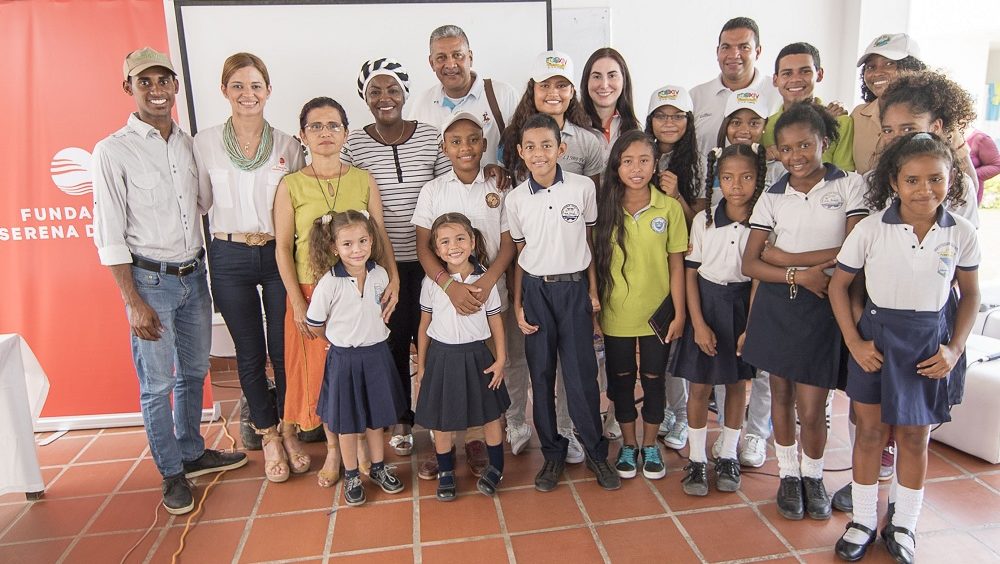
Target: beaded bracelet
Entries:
(438, 276)
(793, 289)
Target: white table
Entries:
(23, 389)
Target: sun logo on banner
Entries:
(70, 170)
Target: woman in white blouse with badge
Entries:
(240, 163)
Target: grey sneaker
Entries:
(677, 438)
(606, 477)
(727, 475)
(386, 479)
(177, 497)
(668, 422)
(754, 451)
(696, 480)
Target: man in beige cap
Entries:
(147, 228)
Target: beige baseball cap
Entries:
(142, 59)
(458, 116)
(553, 63)
(893, 46)
(670, 95)
(751, 99)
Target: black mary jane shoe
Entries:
(489, 481)
(899, 553)
(853, 552)
(446, 492)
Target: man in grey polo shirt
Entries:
(147, 228)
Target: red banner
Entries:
(63, 93)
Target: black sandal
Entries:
(446, 492)
(489, 481)
(899, 553)
(852, 552)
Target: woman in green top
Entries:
(326, 185)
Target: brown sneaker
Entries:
(428, 469)
(476, 457)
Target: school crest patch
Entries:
(659, 224)
(493, 200)
(832, 201)
(570, 213)
(946, 253)
(379, 291)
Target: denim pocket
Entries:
(146, 278)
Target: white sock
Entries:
(730, 438)
(696, 444)
(892, 489)
(852, 432)
(788, 460)
(865, 499)
(908, 505)
(812, 467)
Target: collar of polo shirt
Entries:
(536, 187)
(891, 215)
(832, 173)
(720, 219)
(341, 272)
(477, 267)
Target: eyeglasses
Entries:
(676, 118)
(318, 127)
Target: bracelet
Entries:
(438, 276)
(793, 289)
(789, 273)
(446, 284)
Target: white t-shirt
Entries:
(447, 326)
(352, 318)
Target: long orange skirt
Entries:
(305, 361)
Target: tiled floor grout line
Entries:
(767, 523)
(334, 509)
(590, 524)
(507, 544)
(245, 536)
(418, 555)
(673, 516)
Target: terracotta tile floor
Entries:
(103, 489)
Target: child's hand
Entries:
(704, 337)
(866, 355)
(668, 183)
(676, 329)
(595, 303)
(814, 279)
(522, 323)
(498, 174)
(465, 297)
(496, 369)
(774, 256)
(739, 343)
(939, 365)
(389, 300)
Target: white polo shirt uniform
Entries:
(552, 223)
(710, 99)
(447, 326)
(585, 152)
(358, 319)
(480, 201)
(804, 222)
(717, 249)
(433, 107)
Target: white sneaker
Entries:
(754, 451)
(612, 430)
(574, 453)
(677, 438)
(717, 447)
(518, 437)
(668, 422)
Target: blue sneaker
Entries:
(628, 461)
(652, 463)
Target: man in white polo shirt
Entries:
(737, 53)
(461, 89)
(147, 228)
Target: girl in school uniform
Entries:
(460, 380)
(903, 349)
(639, 230)
(791, 332)
(746, 119)
(718, 299)
(361, 391)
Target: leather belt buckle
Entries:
(257, 239)
(186, 269)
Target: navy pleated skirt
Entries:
(905, 338)
(361, 389)
(454, 393)
(798, 340)
(724, 308)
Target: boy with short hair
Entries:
(797, 69)
(555, 294)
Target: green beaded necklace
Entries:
(236, 155)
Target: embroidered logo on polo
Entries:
(493, 199)
(946, 253)
(832, 201)
(555, 62)
(570, 213)
(659, 224)
(281, 166)
(883, 40)
(379, 290)
(486, 118)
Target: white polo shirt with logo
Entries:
(552, 223)
(447, 326)
(902, 272)
(717, 249)
(358, 319)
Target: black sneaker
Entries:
(727, 474)
(816, 499)
(696, 480)
(446, 490)
(548, 477)
(841, 500)
(489, 481)
(354, 491)
(652, 463)
(386, 479)
(790, 498)
(214, 461)
(607, 477)
(177, 497)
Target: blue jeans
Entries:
(237, 271)
(176, 363)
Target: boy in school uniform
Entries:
(797, 69)
(555, 295)
(466, 190)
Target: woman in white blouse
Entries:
(240, 163)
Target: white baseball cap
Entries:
(670, 95)
(894, 46)
(751, 99)
(553, 63)
(457, 116)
